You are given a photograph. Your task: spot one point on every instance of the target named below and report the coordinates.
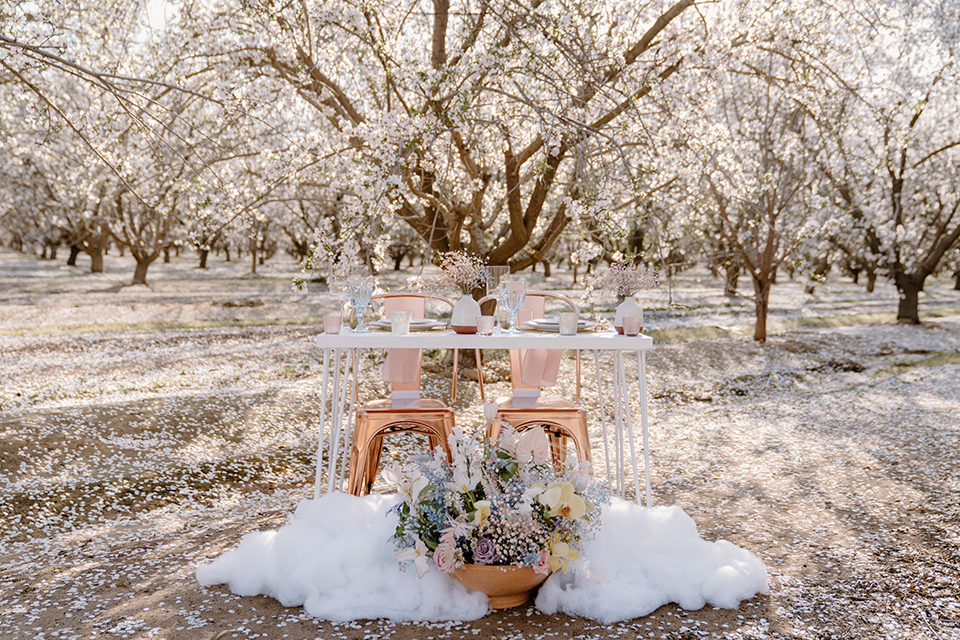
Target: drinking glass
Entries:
(485, 325)
(513, 293)
(494, 274)
(400, 322)
(568, 323)
(361, 290)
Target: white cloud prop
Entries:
(335, 558)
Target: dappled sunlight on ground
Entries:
(130, 457)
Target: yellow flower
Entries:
(560, 554)
(482, 511)
(561, 499)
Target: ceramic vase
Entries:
(629, 307)
(465, 312)
(506, 587)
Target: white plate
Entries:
(417, 324)
(545, 324)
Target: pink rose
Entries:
(445, 557)
(543, 563)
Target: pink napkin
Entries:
(540, 367)
(401, 365)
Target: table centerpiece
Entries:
(499, 517)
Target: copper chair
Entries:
(526, 407)
(404, 411)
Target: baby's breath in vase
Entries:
(466, 273)
(625, 280)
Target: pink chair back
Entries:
(402, 366)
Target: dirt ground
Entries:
(145, 430)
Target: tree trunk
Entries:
(166, 255)
(140, 273)
(226, 253)
(74, 252)
(96, 260)
(53, 252)
(398, 261)
(253, 256)
(203, 258)
(546, 269)
(575, 275)
(871, 280)
(909, 287)
(732, 273)
(855, 274)
(956, 277)
(761, 288)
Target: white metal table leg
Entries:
(324, 386)
(642, 375)
(603, 414)
(628, 422)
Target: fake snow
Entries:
(335, 558)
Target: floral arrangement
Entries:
(495, 505)
(462, 271)
(626, 279)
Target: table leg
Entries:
(353, 367)
(324, 386)
(336, 414)
(642, 375)
(618, 399)
(603, 414)
(628, 422)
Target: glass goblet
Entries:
(513, 293)
(361, 290)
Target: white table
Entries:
(338, 358)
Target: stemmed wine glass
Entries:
(513, 293)
(494, 274)
(361, 290)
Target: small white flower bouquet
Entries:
(495, 505)
(626, 279)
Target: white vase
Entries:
(464, 316)
(628, 308)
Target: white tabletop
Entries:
(448, 339)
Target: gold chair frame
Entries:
(380, 418)
(559, 417)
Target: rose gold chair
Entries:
(405, 410)
(526, 407)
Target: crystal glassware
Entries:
(513, 293)
(361, 290)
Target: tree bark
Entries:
(203, 258)
(732, 277)
(761, 288)
(166, 255)
(140, 273)
(74, 252)
(96, 260)
(908, 308)
(956, 278)
(871, 280)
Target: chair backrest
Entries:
(404, 392)
(534, 307)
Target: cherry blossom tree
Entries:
(477, 123)
(893, 141)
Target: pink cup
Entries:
(485, 325)
(332, 323)
(632, 325)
